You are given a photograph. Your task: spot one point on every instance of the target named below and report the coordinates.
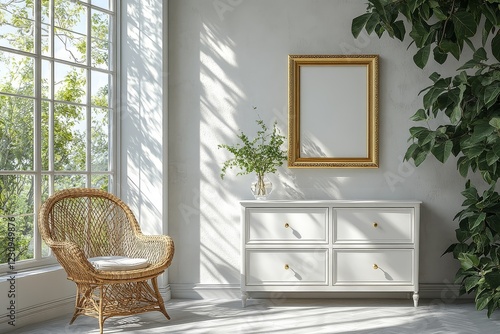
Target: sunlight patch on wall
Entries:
(219, 100)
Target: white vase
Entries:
(261, 187)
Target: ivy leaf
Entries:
(431, 96)
(481, 131)
(420, 115)
(490, 14)
(420, 158)
(493, 306)
(491, 94)
(491, 158)
(372, 22)
(479, 220)
(422, 56)
(495, 122)
(471, 282)
(456, 94)
(493, 279)
(358, 23)
(426, 137)
(420, 34)
(435, 76)
(480, 55)
(415, 131)
(482, 301)
(495, 46)
(464, 24)
(450, 47)
(468, 260)
(442, 151)
(495, 225)
(438, 13)
(473, 151)
(410, 152)
(379, 8)
(469, 64)
(487, 29)
(463, 166)
(461, 236)
(456, 115)
(439, 56)
(399, 30)
(450, 249)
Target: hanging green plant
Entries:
(470, 105)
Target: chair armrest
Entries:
(73, 260)
(158, 249)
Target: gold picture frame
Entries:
(333, 111)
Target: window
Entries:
(57, 84)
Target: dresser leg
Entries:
(244, 297)
(415, 299)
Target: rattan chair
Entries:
(80, 223)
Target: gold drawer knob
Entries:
(287, 267)
(287, 225)
(375, 266)
(375, 224)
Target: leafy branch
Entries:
(262, 154)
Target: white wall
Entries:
(142, 106)
(143, 102)
(38, 296)
(226, 56)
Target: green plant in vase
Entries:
(261, 155)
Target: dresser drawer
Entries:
(287, 225)
(286, 267)
(373, 266)
(384, 225)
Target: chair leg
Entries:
(101, 306)
(75, 314)
(78, 303)
(161, 303)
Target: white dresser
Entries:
(329, 246)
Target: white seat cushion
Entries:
(112, 263)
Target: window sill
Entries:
(30, 272)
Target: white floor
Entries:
(291, 316)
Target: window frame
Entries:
(38, 173)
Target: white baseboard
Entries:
(205, 291)
(444, 292)
(38, 313)
(166, 293)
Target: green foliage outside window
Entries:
(67, 126)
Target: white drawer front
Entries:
(384, 225)
(287, 267)
(287, 225)
(373, 266)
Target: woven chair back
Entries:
(97, 224)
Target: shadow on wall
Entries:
(141, 117)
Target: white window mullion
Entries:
(51, 103)
(115, 131)
(37, 248)
(89, 98)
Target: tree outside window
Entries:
(56, 110)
